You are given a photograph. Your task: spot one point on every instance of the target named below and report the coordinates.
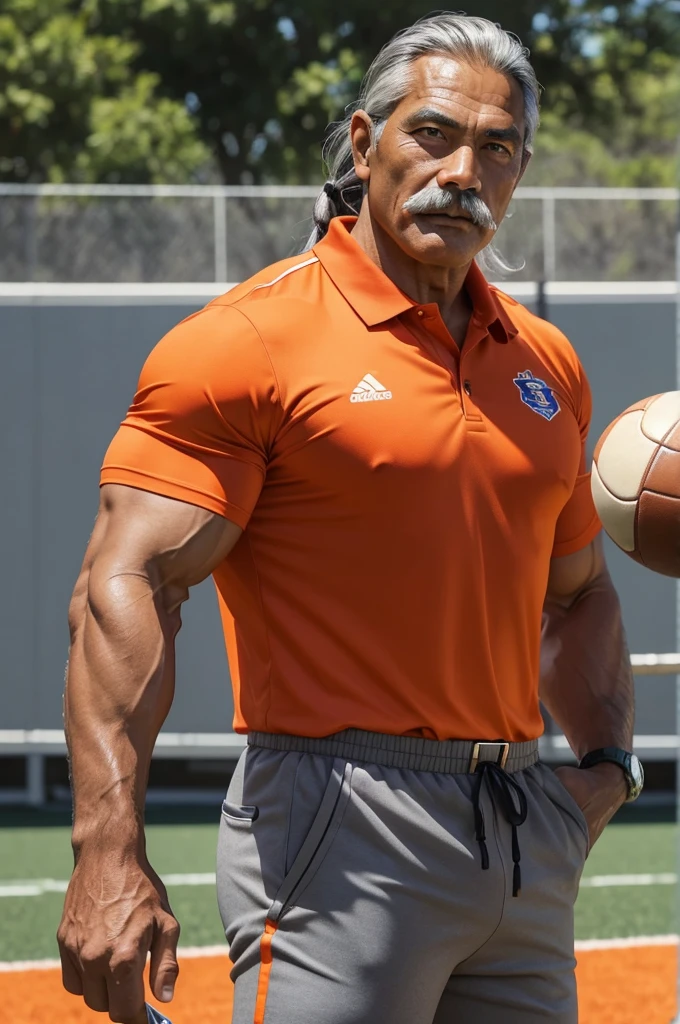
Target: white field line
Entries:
(195, 952)
(633, 942)
(613, 881)
(184, 953)
(40, 886)
(9, 966)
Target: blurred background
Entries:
(195, 92)
(152, 154)
(240, 93)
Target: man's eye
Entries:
(497, 147)
(432, 132)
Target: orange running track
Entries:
(616, 986)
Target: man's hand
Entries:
(116, 911)
(599, 792)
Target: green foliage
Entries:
(73, 106)
(636, 146)
(242, 90)
(138, 136)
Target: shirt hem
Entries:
(328, 732)
(169, 489)
(570, 547)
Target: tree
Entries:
(256, 81)
(636, 145)
(73, 106)
(273, 73)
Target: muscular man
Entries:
(380, 458)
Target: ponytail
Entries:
(336, 199)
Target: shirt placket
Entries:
(458, 364)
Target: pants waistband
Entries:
(422, 755)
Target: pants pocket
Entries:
(319, 838)
(261, 868)
(564, 801)
(240, 812)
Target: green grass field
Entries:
(36, 846)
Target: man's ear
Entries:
(361, 135)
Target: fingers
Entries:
(94, 992)
(70, 974)
(137, 1018)
(164, 966)
(125, 984)
(109, 982)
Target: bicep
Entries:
(172, 544)
(570, 575)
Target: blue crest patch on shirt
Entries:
(537, 395)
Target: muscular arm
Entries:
(586, 678)
(145, 553)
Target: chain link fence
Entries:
(147, 234)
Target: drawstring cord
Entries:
(502, 788)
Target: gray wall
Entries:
(67, 373)
(628, 351)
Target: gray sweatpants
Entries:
(359, 892)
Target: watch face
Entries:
(637, 776)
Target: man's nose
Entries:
(460, 170)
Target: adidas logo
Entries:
(369, 390)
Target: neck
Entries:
(422, 282)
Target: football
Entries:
(636, 482)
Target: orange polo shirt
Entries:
(400, 499)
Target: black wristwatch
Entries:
(627, 762)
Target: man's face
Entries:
(461, 127)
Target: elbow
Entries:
(77, 608)
(119, 599)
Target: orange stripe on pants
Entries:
(265, 970)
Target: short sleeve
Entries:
(578, 523)
(204, 417)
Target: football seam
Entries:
(659, 446)
(643, 488)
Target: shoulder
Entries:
(228, 340)
(546, 341)
(539, 333)
(281, 305)
(273, 286)
(212, 355)
(208, 335)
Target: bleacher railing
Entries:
(37, 744)
(222, 233)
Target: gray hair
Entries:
(468, 39)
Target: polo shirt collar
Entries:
(487, 311)
(375, 298)
(369, 291)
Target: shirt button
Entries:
(421, 313)
(467, 387)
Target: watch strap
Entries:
(613, 755)
(627, 762)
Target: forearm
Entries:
(144, 554)
(586, 678)
(119, 689)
